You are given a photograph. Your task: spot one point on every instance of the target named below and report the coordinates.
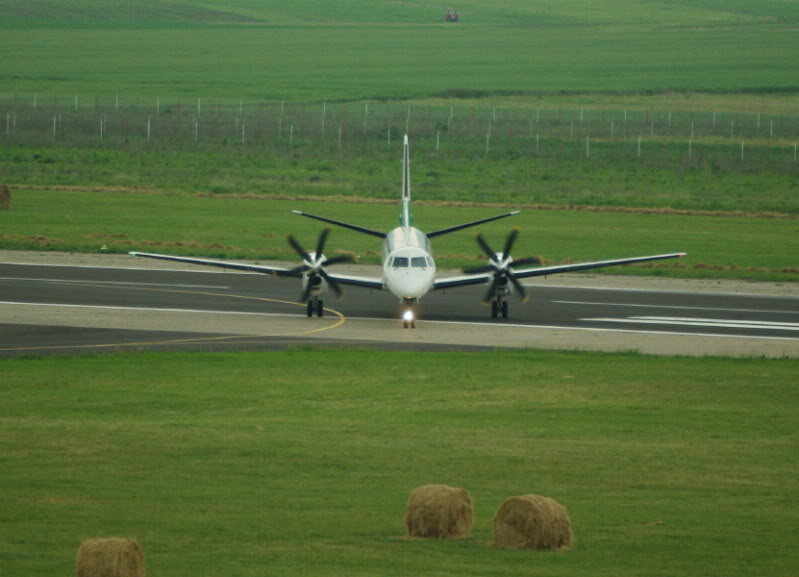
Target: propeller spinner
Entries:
(314, 265)
(501, 263)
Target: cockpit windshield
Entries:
(418, 261)
(413, 261)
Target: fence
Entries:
(759, 140)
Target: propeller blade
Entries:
(298, 248)
(486, 249)
(339, 258)
(509, 242)
(331, 283)
(525, 261)
(518, 286)
(308, 288)
(321, 241)
(480, 269)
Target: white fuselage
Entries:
(408, 266)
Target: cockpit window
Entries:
(399, 261)
(418, 262)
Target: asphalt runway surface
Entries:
(46, 309)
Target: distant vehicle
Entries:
(409, 271)
(452, 16)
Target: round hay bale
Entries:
(532, 522)
(5, 197)
(114, 557)
(439, 512)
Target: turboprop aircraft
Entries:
(409, 271)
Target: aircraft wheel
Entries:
(309, 309)
(404, 324)
(494, 309)
(320, 308)
(504, 309)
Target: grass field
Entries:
(251, 464)
(312, 50)
(219, 226)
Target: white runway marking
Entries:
(132, 268)
(110, 282)
(701, 322)
(595, 329)
(678, 307)
(153, 309)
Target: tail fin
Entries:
(406, 219)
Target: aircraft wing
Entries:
(556, 269)
(361, 281)
(483, 278)
(217, 263)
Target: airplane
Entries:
(409, 270)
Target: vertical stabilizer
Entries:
(406, 219)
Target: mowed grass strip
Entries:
(301, 462)
(256, 228)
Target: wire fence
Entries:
(750, 139)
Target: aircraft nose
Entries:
(412, 283)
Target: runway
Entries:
(47, 309)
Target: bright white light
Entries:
(407, 316)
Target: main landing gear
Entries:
(499, 307)
(315, 305)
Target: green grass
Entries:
(219, 226)
(312, 50)
(559, 175)
(251, 464)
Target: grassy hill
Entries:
(313, 50)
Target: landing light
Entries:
(407, 316)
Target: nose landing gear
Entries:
(409, 315)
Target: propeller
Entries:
(315, 265)
(501, 265)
